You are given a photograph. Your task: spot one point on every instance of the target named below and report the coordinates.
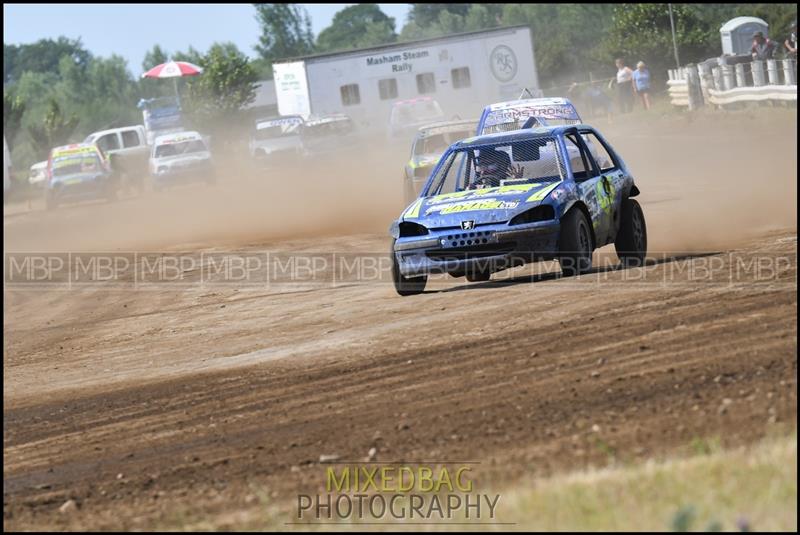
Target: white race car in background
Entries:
(408, 115)
(38, 175)
(180, 158)
(277, 137)
(328, 134)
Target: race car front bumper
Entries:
(493, 247)
(81, 191)
(184, 175)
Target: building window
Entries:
(460, 77)
(387, 88)
(426, 83)
(350, 95)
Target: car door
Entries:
(108, 143)
(595, 189)
(613, 177)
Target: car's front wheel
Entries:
(631, 242)
(575, 244)
(478, 275)
(406, 285)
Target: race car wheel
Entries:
(479, 275)
(406, 285)
(575, 244)
(631, 242)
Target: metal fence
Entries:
(694, 85)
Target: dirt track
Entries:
(213, 400)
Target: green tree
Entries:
(192, 56)
(42, 56)
(565, 39)
(55, 130)
(153, 57)
(425, 15)
(357, 26)
(643, 32)
(215, 100)
(285, 32)
(13, 110)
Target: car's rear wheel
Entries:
(631, 242)
(575, 244)
(406, 285)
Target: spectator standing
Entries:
(641, 83)
(763, 48)
(791, 43)
(624, 86)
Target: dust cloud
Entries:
(708, 181)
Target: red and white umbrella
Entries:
(173, 69)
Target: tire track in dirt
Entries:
(458, 389)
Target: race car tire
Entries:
(406, 285)
(575, 244)
(478, 275)
(631, 242)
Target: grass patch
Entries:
(751, 488)
(711, 489)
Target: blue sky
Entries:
(130, 30)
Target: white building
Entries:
(463, 72)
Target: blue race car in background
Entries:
(509, 198)
(513, 114)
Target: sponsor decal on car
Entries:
(472, 206)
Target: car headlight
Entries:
(543, 212)
(162, 169)
(409, 228)
(394, 229)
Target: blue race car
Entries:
(513, 114)
(505, 199)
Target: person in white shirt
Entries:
(625, 92)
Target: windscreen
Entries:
(330, 128)
(502, 164)
(438, 143)
(177, 149)
(277, 129)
